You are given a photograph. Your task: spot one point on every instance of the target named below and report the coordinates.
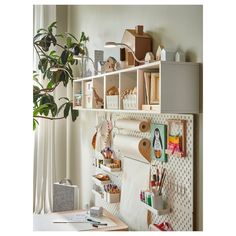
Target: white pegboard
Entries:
(179, 180)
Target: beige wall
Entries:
(173, 26)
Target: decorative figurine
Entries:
(167, 55)
(149, 57)
(179, 56)
(158, 52)
(97, 98)
(110, 64)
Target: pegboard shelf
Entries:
(157, 212)
(179, 172)
(99, 182)
(110, 170)
(114, 173)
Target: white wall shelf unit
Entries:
(178, 87)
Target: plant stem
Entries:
(49, 90)
(60, 46)
(49, 118)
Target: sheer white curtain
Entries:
(48, 164)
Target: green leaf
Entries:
(64, 98)
(52, 53)
(68, 42)
(39, 109)
(66, 110)
(46, 111)
(51, 26)
(72, 36)
(50, 84)
(36, 89)
(83, 38)
(64, 57)
(54, 40)
(61, 107)
(37, 35)
(74, 113)
(62, 76)
(39, 30)
(35, 122)
(59, 35)
(37, 81)
(66, 80)
(54, 110)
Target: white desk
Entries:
(45, 222)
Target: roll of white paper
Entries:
(133, 147)
(136, 125)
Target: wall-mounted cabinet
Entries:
(173, 87)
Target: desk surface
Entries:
(44, 222)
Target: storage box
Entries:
(88, 88)
(96, 211)
(88, 101)
(65, 197)
(130, 102)
(112, 102)
(112, 197)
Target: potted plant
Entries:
(55, 68)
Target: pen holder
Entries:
(158, 202)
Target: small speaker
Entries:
(65, 196)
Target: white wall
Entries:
(173, 26)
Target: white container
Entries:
(157, 202)
(112, 197)
(99, 182)
(88, 101)
(130, 102)
(96, 211)
(112, 102)
(108, 169)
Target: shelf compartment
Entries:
(128, 80)
(98, 85)
(87, 94)
(112, 81)
(150, 88)
(165, 211)
(77, 93)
